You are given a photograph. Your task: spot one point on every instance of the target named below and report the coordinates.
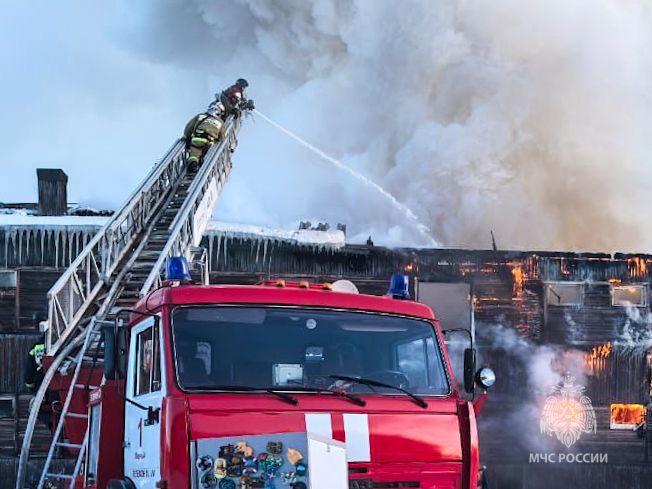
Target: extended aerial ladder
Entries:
(166, 216)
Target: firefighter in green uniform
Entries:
(34, 367)
(201, 132)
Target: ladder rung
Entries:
(69, 445)
(85, 387)
(77, 415)
(108, 323)
(58, 476)
(93, 359)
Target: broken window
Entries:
(565, 294)
(629, 295)
(7, 279)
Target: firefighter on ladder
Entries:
(234, 99)
(34, 373)
(33, 365)
(201, 132)
(204, 130)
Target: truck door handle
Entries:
(153, 416)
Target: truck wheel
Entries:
(120, 484)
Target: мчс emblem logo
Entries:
(567, 413)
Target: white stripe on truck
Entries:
(319, 424)
(356, 430)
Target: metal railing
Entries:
(75, 292)
(190, 222)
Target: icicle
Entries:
(56, 248)
(6, 249)
(12, 242)
(64, 246)
(19, 233)
(269, 263)
(264, 251)
(210, 249)
(29, 238)
(219, 246)
(77, 250)
(42, 231)
(226, 243)
(71, 239)
(257, 249)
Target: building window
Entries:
(565, 294)
(7, 279)
(629, 295)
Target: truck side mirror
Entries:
(109, 352)
(115, 352)
(122, 352)
(469, 370)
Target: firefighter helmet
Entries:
(242, 83)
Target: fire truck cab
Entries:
(221, 386)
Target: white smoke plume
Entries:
(636, 332)
(528, 372)
(528, 118)
(506, 115)
(546, 365)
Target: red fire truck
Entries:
(220, 386)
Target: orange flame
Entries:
(595, 360)
(627, 413)
(519, 280)
(637, 266)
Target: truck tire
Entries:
(120, 484)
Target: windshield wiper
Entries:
(337, 392)
(375, 383)
(245, 388)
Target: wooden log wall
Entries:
(34, 284)
(13, 350)
(9, 470)
(8, 309)
(18, 306)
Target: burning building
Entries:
(536, 317)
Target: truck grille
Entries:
(369, 484)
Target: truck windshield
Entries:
(225, 347)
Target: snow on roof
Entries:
(304, 237)
(30, 220)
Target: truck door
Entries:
(145, 386)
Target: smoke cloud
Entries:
(526, 374)
(528, 118)
(636, 332)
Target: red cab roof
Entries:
(275, 295)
